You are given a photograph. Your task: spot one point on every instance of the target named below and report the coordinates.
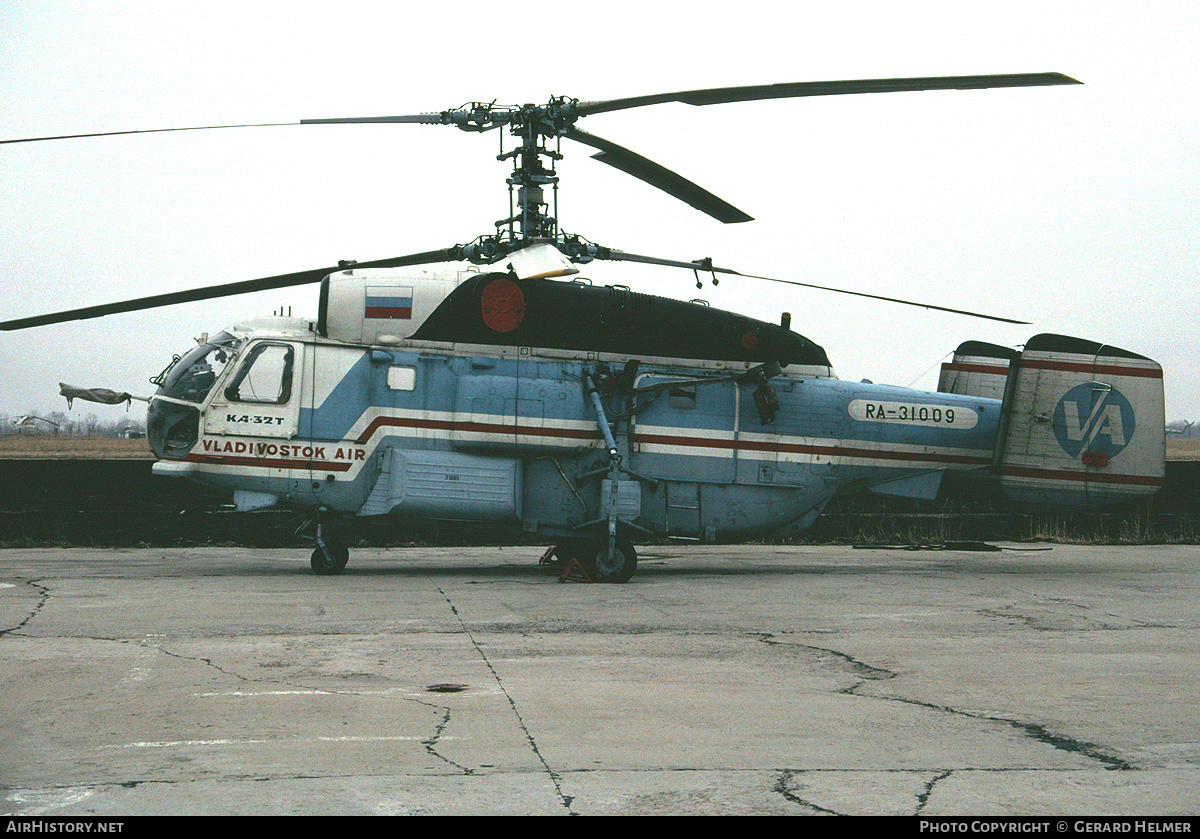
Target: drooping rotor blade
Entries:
(226, 289)
(425, 119)
(145, 131)
(706, 265)
(652, 173)
(433, 119)
(718, 95)
(485, 116)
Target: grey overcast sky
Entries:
(1071, 207)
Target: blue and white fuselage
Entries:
(507, 435)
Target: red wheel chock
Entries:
(574, 573)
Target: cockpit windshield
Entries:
(192, 376)
(173, 422)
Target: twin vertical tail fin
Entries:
(1082, 424)
(978, 369)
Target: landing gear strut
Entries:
(330, 555)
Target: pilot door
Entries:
(258, 409)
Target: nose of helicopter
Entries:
(171, 428)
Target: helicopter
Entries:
(511, 395)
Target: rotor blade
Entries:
(706, 265)
(226, 289)
(426, 119)
(706, 96)
(652, 173)
(145, 131)
(718, 95)
(433, 119)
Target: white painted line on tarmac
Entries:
(167, 744)
(267, 693)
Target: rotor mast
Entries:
(532, 217)
(533, 125)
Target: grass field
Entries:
(45, 447)
(1181, 449)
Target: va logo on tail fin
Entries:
(1090, 418)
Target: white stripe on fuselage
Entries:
(224, 454)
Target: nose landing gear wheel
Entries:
(615, 569)
(331, 563)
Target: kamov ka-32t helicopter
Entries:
(597, 417)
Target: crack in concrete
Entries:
(207, 661)
(782, 787)
(555, 778)
(429, 743)
(849, 663)
(1069, 744)
(1071, 616)
(1033, 730)
(1055, 623)
(923, 796)
(37, 607)
(843, 661)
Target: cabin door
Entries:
(687, 433)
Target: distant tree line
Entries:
(62, 424)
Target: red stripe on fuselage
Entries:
(588, 435)
(1091, 369)
(976, 368)
(477, 427)
(796, 448)
(670, 440)
(1096, 477)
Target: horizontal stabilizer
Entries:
(924, 486)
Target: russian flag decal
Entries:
(388, 303)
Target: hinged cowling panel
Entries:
(382, 306)
(446, 485)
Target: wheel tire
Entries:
(335, 563)
(619, 570)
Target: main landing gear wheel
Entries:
(331, 563)
(615, 569)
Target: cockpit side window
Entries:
(265, 377)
